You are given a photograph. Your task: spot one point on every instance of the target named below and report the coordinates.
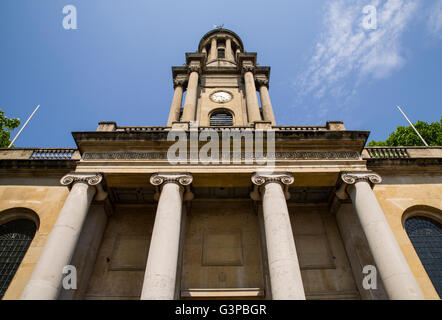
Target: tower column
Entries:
(229, 52)
(177, 100)
(45, 281)
(161, 268)
(266, 104)
(251, 96)
(395, 273)
(285, 273)
(213, 50)
(192, 94)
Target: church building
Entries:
(221, 203)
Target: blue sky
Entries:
(117, 65)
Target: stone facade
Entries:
(136, 226)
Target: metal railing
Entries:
(142, 129)
(279, 128)
(300, 128)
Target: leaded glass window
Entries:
(15, 238)
(426, 236)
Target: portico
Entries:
(300, 225)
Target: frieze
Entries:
(162, 155)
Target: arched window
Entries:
(426, 236)
(221, 118)
(15, 238)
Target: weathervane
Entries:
(218, 26)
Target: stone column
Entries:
(192, 94)
(85, 254)
(45, 281)
(251, 96)
(213, 50)
(161, 267)
(266, 104)
(177, 100)
(229, 52)
(285, 273)
(395, 273)
(358, 251)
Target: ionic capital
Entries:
(182, 179)
(92, 179)
(260, 180)
(282, 178)
(367, 176)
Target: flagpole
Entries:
(412, 126)
(15, 138)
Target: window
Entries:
(15, 238)
(221, 118)
(426, 236)
(221, 54)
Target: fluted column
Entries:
(395, 273)
(192, 94)
(45, 281)
(213, 50)
(266, 104)
(229, 52)
(161, 267)
(251, 96)
(285, 273)
(177, 100)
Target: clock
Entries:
(221, 97)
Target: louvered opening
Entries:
(222, 118)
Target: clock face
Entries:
(221, 97)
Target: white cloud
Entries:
(349, 52)
(435, 20)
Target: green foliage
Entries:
(6, 125)
(405, 136)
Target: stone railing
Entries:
(387, 153)
(39, 154)
(401, 152)
(112, 126)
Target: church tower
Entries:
(221, 81)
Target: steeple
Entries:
(221, 80)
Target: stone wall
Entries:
(325, 269)
(46, 199)
(121, 260)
